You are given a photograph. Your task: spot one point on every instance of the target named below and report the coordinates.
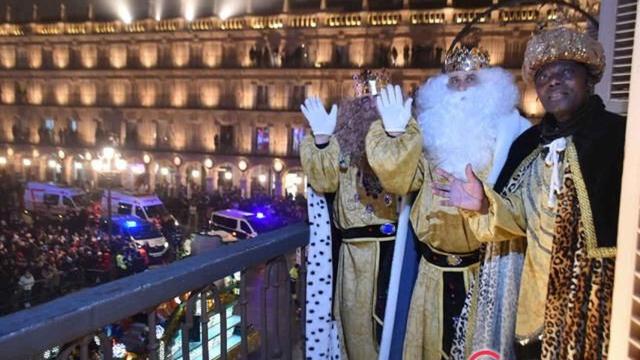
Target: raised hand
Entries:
(468, 195)
(394, 112)
(321, 122)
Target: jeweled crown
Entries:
(468, 55)
(369, 82)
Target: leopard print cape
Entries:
(578, 307)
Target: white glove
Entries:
(395, 115)
(321, 122)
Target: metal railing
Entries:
(198, 314)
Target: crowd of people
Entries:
(42, 258)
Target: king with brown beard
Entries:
(466, 115)
(334, 161)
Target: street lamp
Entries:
(109, 163)
(278, 166)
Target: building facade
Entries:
(210, 94)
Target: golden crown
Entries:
(562, 39)
(467, 55)
(463, 58)
(369, 82)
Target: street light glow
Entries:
(61, 154)
(225, 13)
(242, 165)
(278, 165)
(123, 12)
(108, 153)
(230, 8)
(208, 163)
(195, 173)
(228, 175)
(26, 162)
(96, 165)
(158, 11)
(3, 161)
(121, 164)
(262, 178)
(190, 10)
(137, 169)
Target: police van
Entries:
(49, 199)
(141, 232)
(145, 206)
(243, 224)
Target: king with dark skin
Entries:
(562, 87)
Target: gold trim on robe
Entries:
(401, 167)
(524, 212)
(357, 275)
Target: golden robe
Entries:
(402, 168)
(526, 211)
(517, 216)
(355, 301)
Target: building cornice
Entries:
(306, 21)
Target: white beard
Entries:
(460, 128)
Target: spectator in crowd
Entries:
(26, 283)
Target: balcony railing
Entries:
(261, 321)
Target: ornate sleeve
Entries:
(396, 161)
(321, 165)
(505, 220)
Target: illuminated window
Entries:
(297, 134)
(49, 124)
(262, 140)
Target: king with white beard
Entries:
(467, 115)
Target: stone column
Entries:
(278, 184)
(243, 184)
(151, 175)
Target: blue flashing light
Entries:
(130, 223)
(260, 215)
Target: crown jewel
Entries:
(467, 55)
(368, 82)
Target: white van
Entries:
(242, 224)
(50, 199)
(145, 206)
(141, 232)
